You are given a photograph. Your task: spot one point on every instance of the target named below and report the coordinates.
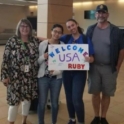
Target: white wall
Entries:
(116, 10)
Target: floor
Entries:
(115, 113)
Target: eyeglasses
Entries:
(57, 32)
(23, 26)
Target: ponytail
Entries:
(80, 30)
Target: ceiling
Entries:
(30, 2)
(19, 2)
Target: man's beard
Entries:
(101, 20)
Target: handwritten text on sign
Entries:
(68, 57)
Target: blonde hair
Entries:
(26, 21)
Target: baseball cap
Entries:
(102, 7)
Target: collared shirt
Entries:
(116, 43)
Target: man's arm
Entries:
(121, 52)
(120, 59)
(41, 38)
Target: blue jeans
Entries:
(74, 83)
(44, 85)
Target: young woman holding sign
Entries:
(74, 81)
(49, 80)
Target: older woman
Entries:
(19, 70)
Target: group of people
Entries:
(25, 71)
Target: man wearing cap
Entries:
(109, 53)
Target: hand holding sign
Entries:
(46, 55)
(89, 59)
(51, 72)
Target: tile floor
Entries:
(115, 113)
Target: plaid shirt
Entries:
(116, 43)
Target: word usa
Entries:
(68, 57)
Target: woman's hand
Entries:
(89, 59)
(51, 72)
(6, 81)
(46, 55)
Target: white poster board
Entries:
(68, 57)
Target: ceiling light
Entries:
(120, 1)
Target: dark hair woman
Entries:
(74, 81)
(49, 80)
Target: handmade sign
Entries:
(68, 57)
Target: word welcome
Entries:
(68, 56)
(67, 47)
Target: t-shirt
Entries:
(78, 41)
(101, 43)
